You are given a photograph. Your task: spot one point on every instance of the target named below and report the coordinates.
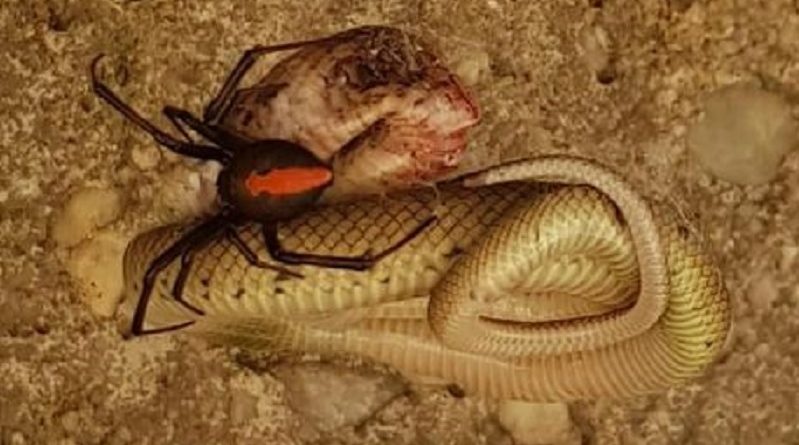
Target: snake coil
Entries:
(520, 289)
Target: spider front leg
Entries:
(360, 262)
(221, 102)
(197, 151)
(183, 248)
(219, 136)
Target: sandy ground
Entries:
(67, 377)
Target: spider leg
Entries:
(195, 238)
(222, 138)
(177, 122)
(220, 103)
(186, 261)
(252, 257)
(189, 149)
(360, 262)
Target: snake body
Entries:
(519, 290)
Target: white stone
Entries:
(744, 134)
(788, 257)
(71, 421)
(472, 66)
(243, 406)
(789, 34)
(86, 210)
(145, 157)
(762, 350)
(595, 45)
(17, 438)
(763, 292)
(96, 264)
(538, 423)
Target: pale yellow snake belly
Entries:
(519, 290)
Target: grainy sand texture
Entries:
(620, 81)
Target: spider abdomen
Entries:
(273, 180)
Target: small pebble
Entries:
(744, 134)
(17, 438)
(86, 210)
(789, 34)
(596, 50)
(680, 5)
(473, 66)
(788, 257)
(762, 350)
(243, 406)
(121, 435)
(96, 264)
(763, 292)
(745, 333)
(70, 421)
(145, 157)
(538, 423)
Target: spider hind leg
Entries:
(360, 262)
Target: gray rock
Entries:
(331, 397)
(538, 423)
(744, 134)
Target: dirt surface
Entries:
(67, 377)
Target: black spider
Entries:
(265, 181)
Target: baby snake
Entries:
(521, 289)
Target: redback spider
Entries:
(265, 181)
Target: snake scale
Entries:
(547, 279)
